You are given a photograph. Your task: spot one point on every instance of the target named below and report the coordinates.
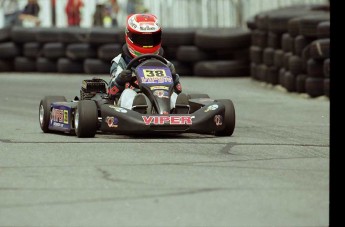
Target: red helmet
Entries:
(143, 34)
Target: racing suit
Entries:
(118, 84)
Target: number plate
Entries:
(157, 75)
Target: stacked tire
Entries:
(290, 48)
(64, 50)
(203, 52)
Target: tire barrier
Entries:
(287, 47)
(290, 47)
(90, 50)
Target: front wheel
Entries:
(45, 108)
(86, 119)
(229, 118)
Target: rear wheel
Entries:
(229, 118)
(86, 119)
(45, 108)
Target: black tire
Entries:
(183, 69)
(44, 110)
(5, 34)
(315, 68)
(23, 35)
(323, 30)
(86, 119)
(308, 24)
(48, 34)
(191, 54)
(102, 35)
(54, 50)
(218, 68)
(261, 72)
(287, 43)
(81, 51)
(320, 48)
(178, 36)
(9, 50)
(314, 87)
(326, 67)
(6, 65)
(272, 75)
(46, 65)
(65, 65)
(222, 38)
(274, 40)
(24, 64)
(300, 83)
(256, 54)
(32, 50)
(229, 118)
(326, 85)
(268, 56)
(300, 43)
(290, 81)
(107, 52)
(253, 69)
(259, 38)
(278, 58)
(96, 66)
(295, 65)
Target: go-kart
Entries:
(93, 112)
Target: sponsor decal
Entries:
(113, 90)
(212, 107)
(65, 116)
(156, 80)
(159, 88)
(157, 75)
(57, 115)
(161, 94)
(119, 109)
(59, 118)
(147, 26)
(218, 120)
(169, 120)
(57, 124)
(132, 22)
(112, 122)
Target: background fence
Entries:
(175, 13)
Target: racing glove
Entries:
(124, 77)
(172, 68)
(177, 84)
(176, 78)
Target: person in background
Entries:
(11, 11)
(111, 9)
(29, 16)
(73, 12)
(106, 13)
(136, 6)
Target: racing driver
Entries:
(143, 36)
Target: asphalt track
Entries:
(273, 171)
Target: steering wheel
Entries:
(142, 58)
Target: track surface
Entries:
(273, 171)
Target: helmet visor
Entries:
(145, 40)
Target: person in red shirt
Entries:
(72, 10)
